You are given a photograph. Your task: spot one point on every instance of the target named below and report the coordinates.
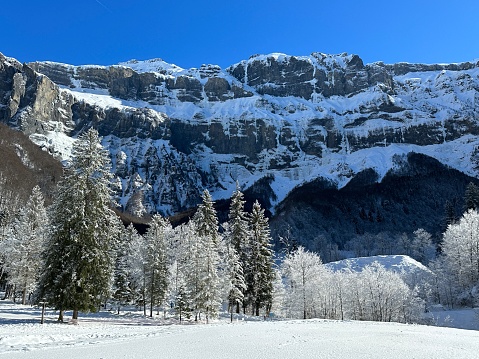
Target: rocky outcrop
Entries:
(273, 122)
(31, 101)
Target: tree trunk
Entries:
(151, 293)
(24, 295)
(60, 316)
(75, 314)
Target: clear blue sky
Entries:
(190, 33)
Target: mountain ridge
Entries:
(273, 122)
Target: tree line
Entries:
(77, 255)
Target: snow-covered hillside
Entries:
(401, 264)
(109, 336)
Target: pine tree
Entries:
(122, 291)
(206, 219)
(186, 274)
(450, 214)
(208, 298)
(236, 238)
(235, 282)
(471, 197)
(156, 261)
(24, 260)
(259, 275)
(136, 261)
(78, 263)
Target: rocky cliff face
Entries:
(272, 122)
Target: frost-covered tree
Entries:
(302, 270)
(25, 244)
(122, 291)
(208, 296)
(9, 203)
(236, 239)
(383, 296)
(238, 224)
(423, 250)
(156, 261)
(460, 257)
(259, 273)
(184, 269)
(136, 263)
(78, 261)
(279, 294)
(234, 279)
(206, 219)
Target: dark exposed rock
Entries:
(411, 198)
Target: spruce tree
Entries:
(156, 261)
(238, 223)
(236, 243)
(136, 265)
(78, 263)
(259, 273)
(235, 282)
(122, 291)
(187, 274)
(471, 197)
(208, 298)
(24, 246)
(450, 214)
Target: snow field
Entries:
(105, 335)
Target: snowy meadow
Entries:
(108, 335)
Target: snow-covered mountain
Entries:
(414, 273)
(275, 123)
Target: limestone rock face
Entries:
(32, 101)
(273, 122)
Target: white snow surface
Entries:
(395, 263)
(107, 335)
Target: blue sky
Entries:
(191, 33)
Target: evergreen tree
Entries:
(471, 197)
(136, 262)
(25, 245)
(236, 238)
(78, 263)
(122, 291)
(235, 282)
(259, 274)
(208, 298)
(186, 274)
(450, 214)
(206, 220)
(156, 261)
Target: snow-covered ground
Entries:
(107, 335)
